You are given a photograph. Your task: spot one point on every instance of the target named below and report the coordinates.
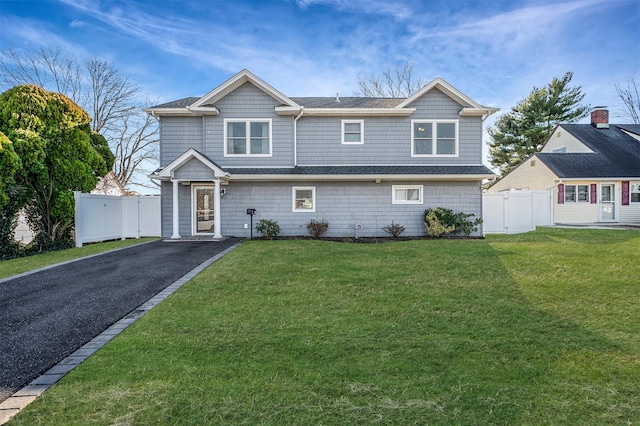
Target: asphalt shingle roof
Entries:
(615, 153)
(310, 102)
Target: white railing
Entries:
(515, 212)
(107, 217)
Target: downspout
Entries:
(295, 137)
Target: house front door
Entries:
(607, 202)
(203, 209)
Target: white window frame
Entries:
(434, 138)
(576, 193)
(633, 186)
(361, 123)
(394, 188)
(247, 122)
(313, 199)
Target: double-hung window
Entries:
(247, 137)
(434, 138)
(406, 194)
(352, 131)
(576, 193)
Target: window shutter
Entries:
(594, 193)
(561, 193)
(625, 192)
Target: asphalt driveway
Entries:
(47, 315)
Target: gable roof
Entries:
(615, 153)
(169, 170)
(319, 106)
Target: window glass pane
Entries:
(259, 145)
(446, 147)
(236, 130)
(422, 146)
(352, 127)
(413, 194)
(569, 193)
(422, 130)
(606, 193)
(236, 146)
(259, 130)
(446, 130)
(583, 193)
(401, 194)
(635, 197)
(352, 137)
(304, 199)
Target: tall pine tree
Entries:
(520, 132)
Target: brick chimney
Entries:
(600, 118)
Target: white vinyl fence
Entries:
(107, 217)
(516, 211)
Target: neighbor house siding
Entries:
(526, 176)
(562, 139)
(343, 205)
(570, 212)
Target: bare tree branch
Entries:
(399, 83)
(110, 97)
(630, 97)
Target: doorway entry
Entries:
(607, 202)
(203, 209)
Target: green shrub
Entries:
(439, 221)
(394, 229)
(268, 228)
(317, 228)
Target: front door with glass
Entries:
(203, 209)
(607, 202)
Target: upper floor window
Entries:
(434, 138)
(352, 131)
(247, 137)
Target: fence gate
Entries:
(516, 212)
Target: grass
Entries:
(537, 328)
(29, 263)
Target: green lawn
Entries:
(29, 263)
(537, 328)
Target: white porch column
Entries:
(216, 209)
(176, 214)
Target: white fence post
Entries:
(78, 215)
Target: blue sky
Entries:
(495, 51)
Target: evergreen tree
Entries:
(57, 155)
(522, 131)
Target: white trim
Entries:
(361, 123)
(434, 138)
(394, 188)
(359, 178)
(313, 199)
(248, 122)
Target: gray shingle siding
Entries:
(343, 205)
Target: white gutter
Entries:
(354, 177)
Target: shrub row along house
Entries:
(357, 163)
(592, 169)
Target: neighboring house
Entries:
(110, 185)
(593, 170)
(358, 163)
